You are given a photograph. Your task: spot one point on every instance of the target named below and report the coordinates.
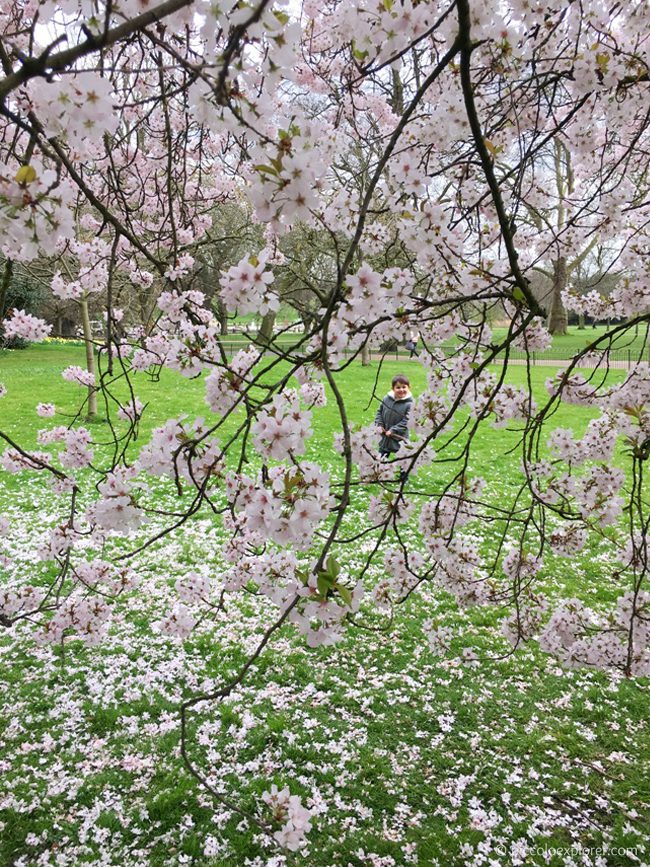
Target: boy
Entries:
(393, 415)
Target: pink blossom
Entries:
(32, 204)
(179, 623)
(78, 108)
(66, 290)
(288, 810)
(28, 327)
(193, 588)
(20, 601)
(117, 509)
(283, 428)
(181, 268)
(15, 462)
(131, 411)
(77, 374)
(245, 287)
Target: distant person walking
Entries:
(412, 346)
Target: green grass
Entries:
(402, 748)
(567, 345)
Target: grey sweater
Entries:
(393, 415)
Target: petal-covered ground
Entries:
(403, 757)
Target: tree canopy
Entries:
(428, 159)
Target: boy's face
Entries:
(400, 390)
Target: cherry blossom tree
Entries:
(408, 137)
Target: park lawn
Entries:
(32, 376)
(405, 757)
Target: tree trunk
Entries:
(4, 286)
(90, 360)
(581, 321)
(307, 320)
(557, 318)
(397, 95)
(365, 355)
(265, 333)
(221, 315)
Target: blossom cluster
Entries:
(77, 108)
(77, 453)
(178, 450)
(286, 505)
(25, 326)
(35, 211)
(287, 809)
(117, 508)
(245, 287)
(283, 428)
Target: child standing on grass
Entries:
(393, 416)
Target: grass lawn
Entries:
(475, 757)
(565, 346)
